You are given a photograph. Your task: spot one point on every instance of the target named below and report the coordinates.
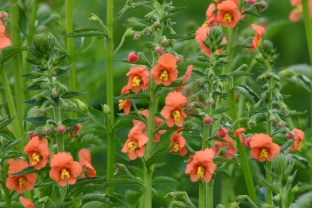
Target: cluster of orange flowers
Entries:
(64, 169)
(297, 12)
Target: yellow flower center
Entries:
(132, 146)
(205, 24)
(200, 172)
(21, 182)
(299, 146)
(176, 115)
(227, 18)
(136, 81)
(259, 42)
(176, 147)
(164, 75)
(121, 104)
(65, 174)
(264, 153)
(36, 158)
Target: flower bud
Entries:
(252, 121)
(157, 24)
(73, 106)
(43, 85)
(148, 30)
(287, 73)
(207, 120)
(65, 105)
(164, 42)
(247, 106)
(61, 129)
(47, 128)
(222, 132)
(3, 15)
(159, 49)
(284, 109)
(73, 134)
(211, 74)
(247, 141)
(272, 118)
(105, 109)
(210, 100)
(280, 123)
(82, 106)
(137, 36)
(133, 57)
(262, 5)
(77, 127)
(41, 111)
(94, 18)
(189, 106)
(54, 73)
(179, 59)
(54, 93)
(251, 2)
(32, 134)
(290, 135)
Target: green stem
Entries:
(233, 114)
(209, 194)
(31, 26)
(110, 93)
(201, 200)
(308, 30)
(17, 62)
(70, 46)
(6, 191)
(17, 126)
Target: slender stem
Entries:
(201, 200)
(70, 45)
(17, 126)
(209, 194)
(31, 26)
(110, 93)
(6, 190)
(308, 29)
(17, 62)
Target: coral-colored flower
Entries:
(222, 132)
(157, 120)
(299, 137)
(201, 165)
(262, 147)
(138, 78)
(226, 148)
(211, 17)
(239, 133)
(125, 104)
(165, 71)
(22, 182)
(64, 169)
(256, 41)
(38, 152)
(297, 12)
(173, 112)
(4, 41)
(85, 160)
(27, 203)
(186, 76)
(135, 144)
(179, 143)
(228, 15)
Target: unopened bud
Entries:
(247, 141)
(284, 109)
(43, 85)
(189, 106)
(54, 73)
(269, 75)
(41, 111)
(211, 74)
(207, 120)
(148, 31)
(280, 123)
(94, 18)
(179, 59)
(73, 106)
(157, 24)
(287, 73)
(210, 100)
(222, 132)
(137, 36)
(105, 109)
(164, 42)
(252, 121)
(81, 105)
(272, 118)
(251, 2)
(54, 93)
(47, 128)
(77, 127)
(133, 57)
(3, 15)
(159, 49)
(262, 5)
(290, 135)
(32, 134)
(73, 134)
(61, 129)
(247, 106)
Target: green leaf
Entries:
(132, 116)
(97, 116)
(2, 104)
(73, 121)
(30, 170)
(221, 159)
(224, 172)
(159, 166)
(149, 45)
(133, 197)
(84, 181)
(35, 86)
(6, 122)
(175, 9)
(86, 32)
(156, 157)
(221, 95)
(111, 200)
(247, 92)
(8, 155)
(32, 75)
(299, 161)
(121, 180)
(220, 110)
(122, 122)
(304, 82)
(71, 94)
(37, 120)
(140, 95)
(62, 72)
(304, 200)
(304, 188)
(252, 12)
(9, 52)
(273, 187)
(143, 21)
(13, 204)
(164, 179)
(8, 145)
(189, 36)
(66, 204)
(44, 184)
(133, 6)
(245, 44)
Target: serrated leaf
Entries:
(86, 32)
(62, 72)
(32, 75)
(299, 161)
(67, 203)
(35, 86)
(6, 122)
(304, 188)
(30, 170)
(149, 45)
(164, 179)
(37, 120)
(132, 116)
(189, 36)
(156, 157)
(220, 110)
(224, 172)
(8, 145)
(97, 116)
(133, 197)
(73, 121)
(9, 52)
(9, 155)
(175, 9)
(247, 92)
(143, 21)
(269, 185)
(71, 94)
(252, 12)
(221, 95)
(111, 200)
(122, 122)
(140, 95)
(245, 44)
(133, 6)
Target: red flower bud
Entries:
(73, 134)
(159, 49)
(133, 57)
(247, 141)
(208, 120)
(47, 129)
(222, 132)
(189, 106)
(33, 134)
(61, 129)
(77, 127)
(164, 42)
(179, 59)
(3, 15)
(251, 2)
(137, 36)
(290, 135)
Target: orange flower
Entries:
(201, 165)
(298, 11)
(173, 112)
(235, 1)
(22, 182)
(299, 137)
(4, 41)
(239, 133)
(262, 147)
(64, 169)
(134, 146)
(38, 152)
(228, 15)
(125, 104)
(165, 72)
(211, 17)
(158, 121)
(186, 76)
(138, 78)
(26, 202)
(226, 148)
(85, 160)
(179, 143)
(256, 41)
